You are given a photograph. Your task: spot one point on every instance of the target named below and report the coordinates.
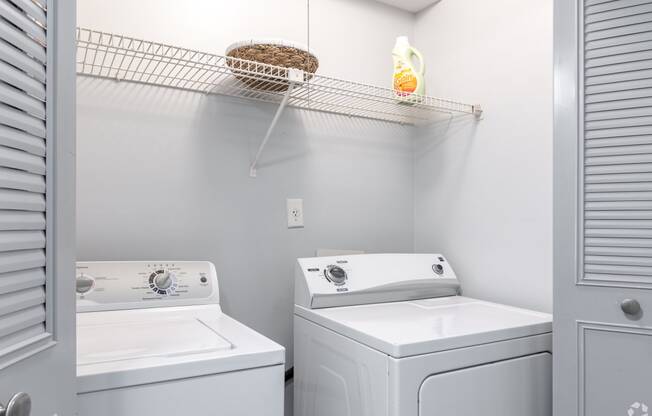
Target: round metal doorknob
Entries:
(19, 405)
(629, 306)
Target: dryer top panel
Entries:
(322, 282)
(404, 329)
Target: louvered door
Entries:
(36, 214)
(618, 143)
(603, 207)
(22, 175)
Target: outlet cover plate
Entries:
(295, 212)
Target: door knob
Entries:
(19, 405)
(629, 306)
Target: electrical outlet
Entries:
(295, 212)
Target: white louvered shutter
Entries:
(23, 171)
(617, 193)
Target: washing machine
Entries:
(153, 340)
(389, 335)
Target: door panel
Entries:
(602, 207)
(37, 118)
(617, 360)
(522, 386)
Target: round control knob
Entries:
(335, 274)
(164, 280)
(84, 284)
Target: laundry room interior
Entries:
(164, 173)
(325, 207)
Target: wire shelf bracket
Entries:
(122, 58)
(295, 76)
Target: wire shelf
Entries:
(107, 55)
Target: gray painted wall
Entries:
(163, 174)
(483, 192)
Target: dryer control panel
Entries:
(114, 285)
(322, 282)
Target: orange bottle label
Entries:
(405, 82)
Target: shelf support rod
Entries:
(279, 111)
(477, 111)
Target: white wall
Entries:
(163, 173)
(352, 38)
(483, 192)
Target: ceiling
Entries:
(409, 5)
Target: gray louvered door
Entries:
(36, 214)
(603, 207)
(22, 175)
(618, 143)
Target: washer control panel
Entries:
(369, 278)
(115, 285)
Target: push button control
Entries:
(438, 269)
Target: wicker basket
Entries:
(272, 52)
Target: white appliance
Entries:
(387, 335)
(152, 340)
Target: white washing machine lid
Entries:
(129, 340)
(130, 347)
(403, 329)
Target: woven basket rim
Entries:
(272, 42)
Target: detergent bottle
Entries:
(408, 80)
